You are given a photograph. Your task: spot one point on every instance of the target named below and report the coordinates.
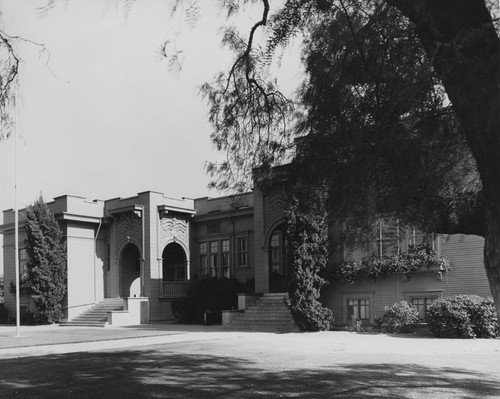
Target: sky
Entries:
(102, 116)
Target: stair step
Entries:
(90, 318)
(97, 315)
(264, 322)
(77, 324)
(268, 313)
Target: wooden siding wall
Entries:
(466, 277)
(383, 292)
(466, 255)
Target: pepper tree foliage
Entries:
(307, 218)
(400, 105)
(46, 279)
(9, 66)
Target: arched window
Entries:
(174, 263)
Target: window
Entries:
(422, 304)
(415, 237)
(225, 249)
(242, 251)
(392, 237)
(388, 237)
(358, 309)
(203, 259)
(23, 265)
(213, 258)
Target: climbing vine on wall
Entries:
(375, 266)
(308, 234)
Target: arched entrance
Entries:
(174, 263)
(174, 270)
(278, 260)
(130, 268)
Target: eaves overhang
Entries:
(169, 209)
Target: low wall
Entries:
(245, 300)
(229, 315)
(136, 312)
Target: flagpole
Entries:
(16, 221)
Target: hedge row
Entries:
(463, 316)
(210, 297)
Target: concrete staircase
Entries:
(97, 315)
(268, 313)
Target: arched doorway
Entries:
(174, 263)
(278, 260)
(130, 268)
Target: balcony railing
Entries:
(174, 289)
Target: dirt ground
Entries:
(217, 363)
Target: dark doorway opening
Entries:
(130, 268)
(174, 263)
(279, 260)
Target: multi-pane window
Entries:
(23, 265)
(203, 252)
(358, 309)
(242, 251)
(225, 250)
(392, 237)
(415, 237)
(219, 257)
(388, 237)
(422, 304)
(213, 258)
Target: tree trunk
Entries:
(463, 46)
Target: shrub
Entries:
(399, 318)
(464, 316)
(209, 296)
(482, 315)
(4, 314)
(184, 310)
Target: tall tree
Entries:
(46, 280)
(401, 95)
(463, 47)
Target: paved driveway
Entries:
(199, 362)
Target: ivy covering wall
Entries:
(375, 266)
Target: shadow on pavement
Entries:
(164, 374)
